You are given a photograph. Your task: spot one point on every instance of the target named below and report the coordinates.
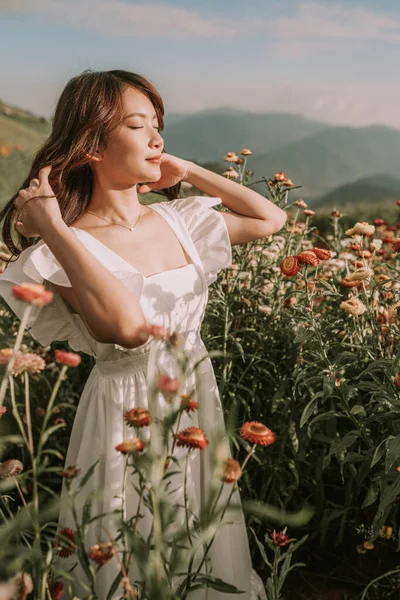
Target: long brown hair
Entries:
(89, 108)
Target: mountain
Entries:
(210, 134)
(331, 158)
(368, 190)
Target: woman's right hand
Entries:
(38, 213)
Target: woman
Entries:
(116, 266)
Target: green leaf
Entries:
(307, 412)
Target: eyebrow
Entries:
(140, 115)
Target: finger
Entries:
(143, 189)
(34, 183)
(44, 175)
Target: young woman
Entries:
(116, 266)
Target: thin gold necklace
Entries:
(114, 223)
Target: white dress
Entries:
(177, 299)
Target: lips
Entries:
(158, 157)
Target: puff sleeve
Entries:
(208, 230)
(36, 264)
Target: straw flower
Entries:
(376, 244)
(353, 306)
(56, 589)
(396, 245)
(257, 433)
(3, 410)
(361, 229)
(245, 152)
(300, 203)
(231, 157)
(192, 437)
(280, 538)
(267, 310)
(168, 385)
(137, 417)
(131, 445)
(70, 472)
(231, 174)
(33, 293)
(363, 274)
(347, 282)
(322, 253)
(71, 359)
(290, 266)
(102, 552)
(189, 403)
(27, 361)
(280, 176)
(307, 257)
(309, 213)
(65, 542)
(232, 471)
(10, 468)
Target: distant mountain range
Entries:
(334, 165)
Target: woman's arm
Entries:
(252, 216)
(110, 311)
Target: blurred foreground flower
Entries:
(27, 361)
(65, 542)
(10, 468)
(232, 471)
(33, 293)
(71, 359)
(102, 552)
(131, 445)
(192, 437)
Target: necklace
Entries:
(114, 223)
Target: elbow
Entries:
(126, 337)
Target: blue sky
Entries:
(331, 61)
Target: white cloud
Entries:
(322, 27)
(117, 18)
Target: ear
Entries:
(95, 157)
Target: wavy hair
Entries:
(89, 108)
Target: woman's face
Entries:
(124, 161)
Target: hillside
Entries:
(333, 157)
(368, 190)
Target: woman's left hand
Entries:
(173, 170)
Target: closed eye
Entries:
(158, 128)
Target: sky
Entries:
(335, 62)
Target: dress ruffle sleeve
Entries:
(37, 264)
(208, 230)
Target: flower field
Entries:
(303, 332)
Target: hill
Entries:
(368, 190)
(333, 157)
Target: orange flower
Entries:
(322, 253)
(189, 403)
(168, 385)
(309, 213)
(280, 176)
(308, 257)
(137, 417)
(131, 445)
(232, 471)
(71, 359)
(65, 542)
(33, 293)
(245, 152)
(257, 433)
(290, 266)
(192, 437)
(102, 552)
(346, 282)
(3, 409)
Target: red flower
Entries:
(131, 445)
(3, 409)
(65, 542)
(308, 257)
(71, 359)
(290, 266)
(192, 437)
(137, 417)
(56, 589)
(396, 245)
(33, 293)
(280, 538)
(70, 472)
(378, 221)
(257, 433)
(322, 253)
